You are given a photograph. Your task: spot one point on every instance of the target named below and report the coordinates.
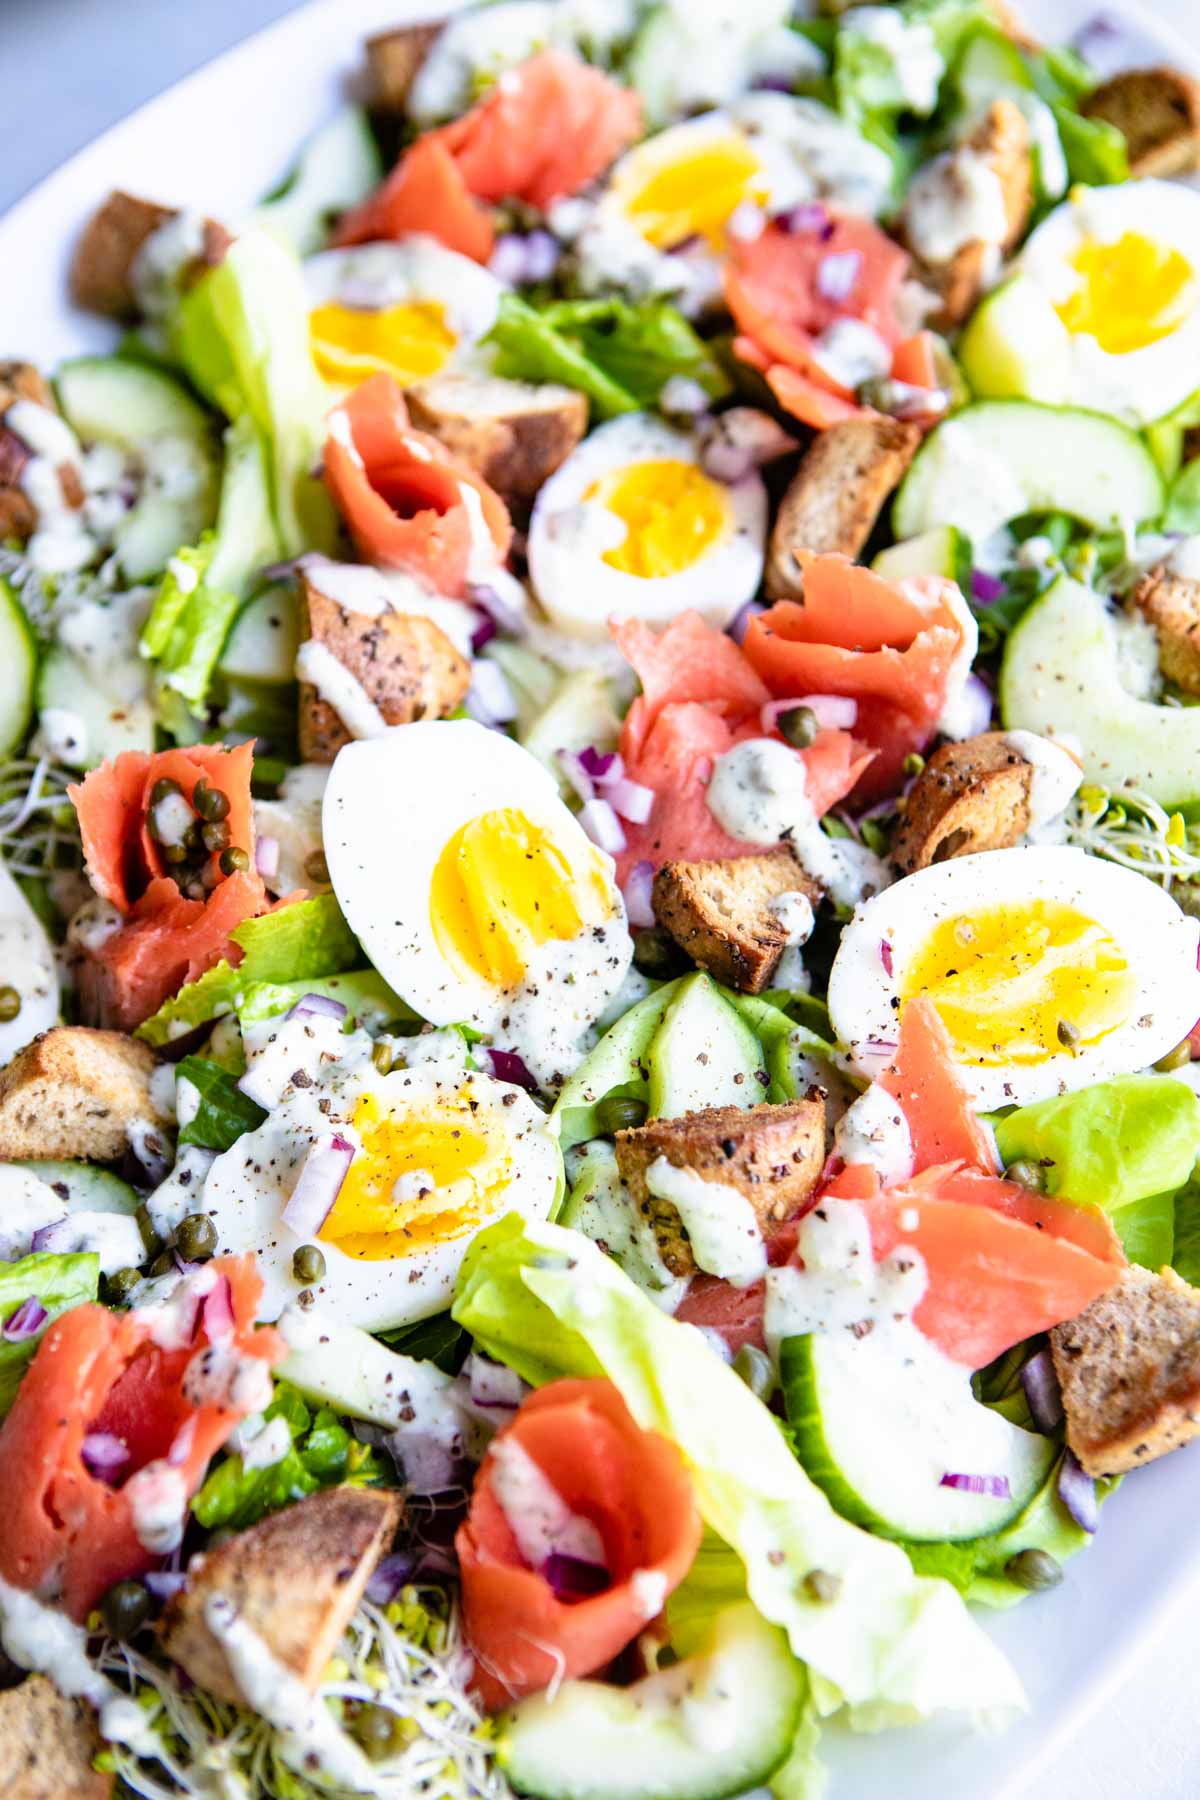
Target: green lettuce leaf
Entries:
(1183, 500)
(224, 1112)
(1185, 1256)
(368, 999)
(1165, 438)
(1147, 1230)
(60, 1283)
(437, 1340)
(1096, 151)
(1110, 1144)
(550, 1303)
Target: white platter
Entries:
(191, 147)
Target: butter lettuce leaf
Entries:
(1111, 1144)
(59, 1283)
(368, 999)
(224, 1112)
(550, 1303)
(1185, 1255)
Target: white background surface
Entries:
(73, 67)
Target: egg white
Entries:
(568, 536)
(1158, 940)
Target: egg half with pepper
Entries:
(632, 526)
(1050, 969)
(409, 310)
(473, 889)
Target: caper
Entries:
(1178, 1058)
(756, 1369)
(379, 1732)
(822, 1586)
(163, 789)
(799, 726)
(619, 1112)
(1068, 1035)
(163, 1265)
(119, 1286)
(1033, 1569)
(174, 854)
(308, 1265)
(10, 1004)
(196, 1237)
(914, 762)
(215, 837)
(655, 952)
(150, 1238)
(1027, 1174)
(233, 861)
(210, 803)
(316, 868)
(383, 1056)
(125, 1609)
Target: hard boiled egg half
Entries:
(631, 526)
(435, 1154)
(409, 310)
(1050, 969)
(474, 890)
(1104, 310)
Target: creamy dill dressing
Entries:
(1055, 775)
(955, 200)
(158, 1504)
(27, 1204)
(852, 352)
(812, 154)
(293, 820)
(538, 1517)
(114, 1237)
(180, 1192)
(724, 1233)
(873, 1130)
(27, 959)
(603, 1208)
(372, 592)
(162, 259)
(915, 62)
(44, 1640)
(795, 914)
(61, 543)
(337, 687)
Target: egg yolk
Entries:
(501, 888)
(408, 341)
(1131, 293)
(420, 1178)
(1019, 984)
(673, 514)
(691, 194)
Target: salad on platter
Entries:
(599, 910)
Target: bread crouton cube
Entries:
(18, 515)
(723, 913)
(76, 1092)
(1157, 111)
(22, 381)
(1129, 1370)
(102, 266)
(1172, 606)
(47, 1744)
(843, 482)
(513, 433)
(394, 61)
(391, 667)
(1001, 141)
(970, 796)
(771, 1155)
(295, 1578)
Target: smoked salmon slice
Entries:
(942, 1123)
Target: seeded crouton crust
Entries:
(719, 913)
(773, 1155)
(47, 1745)
(1172, 605)
(1002, 139)
(295, 1578)
(75, 1092)
(406, 665)
(1157, 111)
(844, 480)
(101, 273)
(970, 796)
(394, 60)
(1129, 1369)
(513, 433)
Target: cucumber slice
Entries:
(1001, 459)
(18, 659)
(90, 727)
(1060, 675)
(942, 551)
(580, 712)
(338, 167)
(601, 1207)
(346, 1368)
(151, 417)
(616, 1066)
(717, 1724)
(264, 639)
(877, 1424)
(1016, 346)
(703, 1054)
(86, 1188)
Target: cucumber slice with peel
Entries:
(86, 1187)
(942, 551)
(18, 659)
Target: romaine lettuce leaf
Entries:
(224, 1112)
(550, 1303)
(1110, 1144)
(368, 999)
(59, 1282)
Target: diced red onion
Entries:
(491, 601)
(164, 1584)
(1041, 1390)
(59, 1235)
(630, 800)
(833, 712)
(1106, 44)
(314, 1195)
(283, 571)
(427, 1462)
(776, 82)
(312, 1006)
(25, 1321)
(389, 1576)
(484, 632)
(218, 1312)
(885, 955)
(682, 398)
(266, 857)
(746, 222)
(490, 700)
(602, 765)
(602, 826)
(975, 708)
(572, 1578)
(514, 258)
(639, 886)
(493, 1385)
(740, 624)
(182, 1443)
(995, 1487)
(726, 462)
(1077, 1492)
(507, 1065)
(103, 1455)
(809, 219)
(571, 764)
(985, 588)
(838, 273)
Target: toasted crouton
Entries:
(1013, 25)
(836, 495)
(1129, 1369)
(75, 1092)
(394, 60)
(513, 433)
(1001, 139)
(772, 1155)
(21, 381)
(1172, 605)
(295, 1578)
(18, 515)
(46, 1746)
(1157, 111)
(101, 272)
(405, 665)
(720, 913)
(969, 796)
